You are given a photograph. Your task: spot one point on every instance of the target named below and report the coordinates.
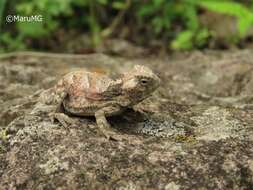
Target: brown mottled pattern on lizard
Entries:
(84, 93)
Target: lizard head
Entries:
(139, 83)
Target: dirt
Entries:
(195, 132)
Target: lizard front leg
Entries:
(103, 124)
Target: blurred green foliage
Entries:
(175, 22)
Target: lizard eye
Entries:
(144, 81)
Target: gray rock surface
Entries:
(195, 132)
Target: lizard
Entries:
(83, 93)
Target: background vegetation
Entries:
(174, 24)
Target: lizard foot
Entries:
(113, 136)
(62, 118)
(110, 134)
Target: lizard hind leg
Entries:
(58, 113)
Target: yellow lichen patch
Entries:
(184, 138)
(3, 135)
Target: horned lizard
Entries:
(84, 93)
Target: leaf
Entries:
(25, 8)
(190, 13)
(12, 43)
(226, 7)
(158, 3)
(58, 7)
(37, 29)
(32, 29)
(119, 5)
(183, 41)
(146, 10)
(242, 13)
(201, 37)
(244, 25)
(103, 2)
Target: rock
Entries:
(196, 132)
